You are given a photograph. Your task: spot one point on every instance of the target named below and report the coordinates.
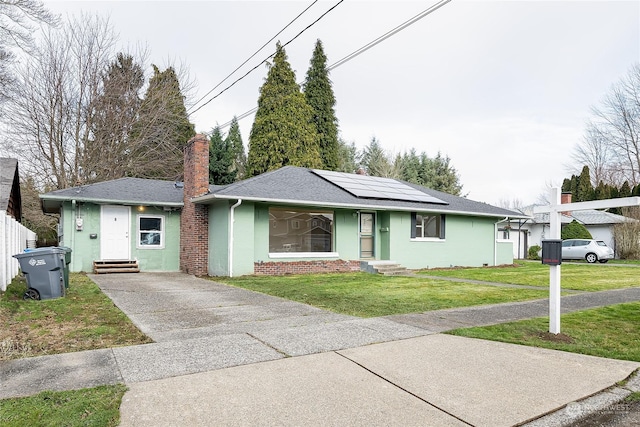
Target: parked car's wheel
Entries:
(591, 258)
(602, 261)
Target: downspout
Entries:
(72, 231)
(231, 221)
(495, 240)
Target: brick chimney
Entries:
(194, 221)
(565, 198)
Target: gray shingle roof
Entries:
(8, 169)
(127, 191)
(296, 185)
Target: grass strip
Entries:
(91, 407)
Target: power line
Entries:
(266, 59)
(363, 49)
(256, 52)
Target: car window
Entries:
(601, 243)
(567, 243)
(582, 243)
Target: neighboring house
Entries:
(527, 233)
(10, 200)
(290, 220)
(14, 237)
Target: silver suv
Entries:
(587, 249)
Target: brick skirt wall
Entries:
(299, 267)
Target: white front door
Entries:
(114, 232)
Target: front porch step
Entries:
(115, 266)
(386, 268)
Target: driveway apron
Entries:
(200, 325)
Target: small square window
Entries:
(150, 232)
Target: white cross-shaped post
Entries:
(555, 210)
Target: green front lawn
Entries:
(581, 277)
(92, 407)
(612, 331)
(371, 295)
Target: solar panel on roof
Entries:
(373, 187)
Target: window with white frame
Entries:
(151, 231)
(430, 226)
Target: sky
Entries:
(503, 88)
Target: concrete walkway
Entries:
(223, 356)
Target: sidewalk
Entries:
(223, 355)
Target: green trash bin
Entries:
(67, 261)
(44, 270)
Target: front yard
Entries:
(373, 295)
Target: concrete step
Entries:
(387, 268)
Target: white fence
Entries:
(14, 238)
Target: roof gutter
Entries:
(232, 210)
(110, 201)
(210, 197)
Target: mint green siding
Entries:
(218, 238)
(469, 241)
(85, 250)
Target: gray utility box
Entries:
(552, 251)
(44, 271)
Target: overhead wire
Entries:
(363, 49)
(266, 59)
(255, 53)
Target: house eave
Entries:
(211, 197)
(57, 201)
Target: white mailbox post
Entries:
(555, 210)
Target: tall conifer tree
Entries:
(235, 144)
(163, 128)
(319, 95)
(221, 171)
(283, 132)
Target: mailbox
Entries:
(552, 252)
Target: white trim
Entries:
(209, 197)
(427, 239)
(163, 222)
(304, 255)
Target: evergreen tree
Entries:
(602, 191)
(283, 132)
(221, 171)
(347, 157)
(319, 95)
(235, 144)
(114, 112)
(375, 160)
(575, 230)
(442, 177)
(625, 190)
(584, 190)
(162, 129)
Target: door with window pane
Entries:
(367, 228)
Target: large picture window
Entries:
(427, 226)
(299, 230)
(150, 231)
